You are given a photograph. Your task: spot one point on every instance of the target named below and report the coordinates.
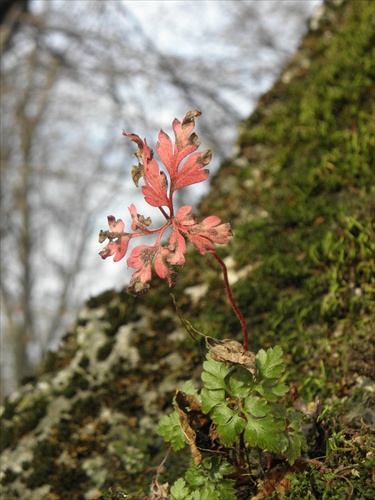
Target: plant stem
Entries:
(233, 302)
(156, 487)
(164, 213)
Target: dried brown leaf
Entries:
(186, 423)
(231, 353)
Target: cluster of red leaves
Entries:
(158, 191)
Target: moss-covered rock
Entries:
(299, 193)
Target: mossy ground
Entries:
(300, 197)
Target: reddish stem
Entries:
(233, 302)
(164, 213)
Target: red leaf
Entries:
(185, 144)
(138, 221)
(162, 268)
(191, 172)
(119, 240)
(183, 224)
(205, 234)
(139, 282)
(164, 150)
(183, 215)
(118, 248)
(155, 190)
(141, 258)
(177, 245)
(144, 152)
(117, 226)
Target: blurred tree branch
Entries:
(11, 12)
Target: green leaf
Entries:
(179, 490)
(229, 423)
(214, 373)
(293, 450)
(211, 398)
(240, 382)
(208, 492)
(271, 389)
(270, 363)
(296, 440)
(258, 407)
(213, 471)
(196, 477)
(170, 429)
(189, 388)
(266, 433)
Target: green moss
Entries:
(348, 464)
(44, 463)
(84, 363)
(120, 313)
(70, 482)
(105, 350)
(17, 424)
(9, 476)
(101, 300)
(85, 409)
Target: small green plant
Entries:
(238, 408)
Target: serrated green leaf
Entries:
(229, 424)
(258, 407)
(266, 433)
(214, 373)
(195, 477)
(222, 414)
(211, 398)
(296, 440)
(270, 363)
(217, 467)
(208, 492)
(179, 490)
(279, 412)
(240, 382)
(280, 389)
(293, 450)
(211, 468)
(207, 480)
(271, 389)
(170, 429)
(189, 388)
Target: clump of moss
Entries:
(85, 409)
(105, 350)
(304, 176)
(44, 463)
(15, 426)
(9, 476)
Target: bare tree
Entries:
(73, 75)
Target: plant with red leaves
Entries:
(158, 191)
(237, 407)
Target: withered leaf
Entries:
(137, 173)
(231, 353)
(146, 221)
(191, 419)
